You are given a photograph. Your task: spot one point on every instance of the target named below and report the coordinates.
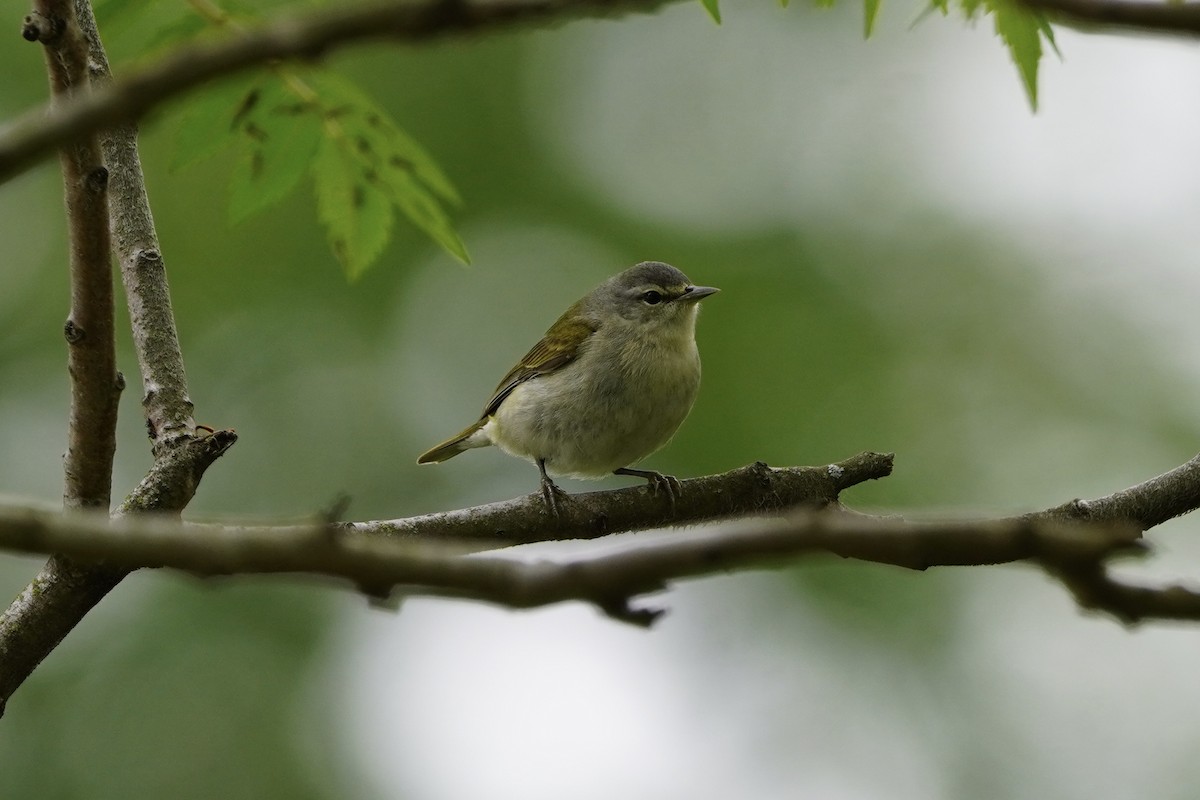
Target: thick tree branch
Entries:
(753, 489)
(63, 586)
(377, 565)
(91, 344)
(1131, 15)
(427, 559)
(59, 597)
(64, 591)
(306, 37)
(165, 398)
(172, 482)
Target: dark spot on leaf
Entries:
(256, 163)
(358, 197)
(245, 107)
(399, 162)
(337, 111)
(256, 133)
(374, 121)
(362, 144)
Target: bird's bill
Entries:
(695, 293)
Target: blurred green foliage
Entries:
(289, 123)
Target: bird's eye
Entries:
(652, 298)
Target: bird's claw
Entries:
(553, 495)
(656, 481)
(550, 491)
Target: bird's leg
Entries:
(550, 490)
(667, 483)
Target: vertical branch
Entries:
(63, 592)
(91, 348)
(165, 398)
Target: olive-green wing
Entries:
(557, 348)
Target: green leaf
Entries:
(425, 212)
(1048, 35)
(346, 104)
(279, 135)
(147, 28)
(713, 9)
(366, 166)
(783, 3)
(357, 215)
(870, 10)
(389, 161)
(207, 124)
(1022, 32)
(279, 121)
(935, 6)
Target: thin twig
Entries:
(305, 37)
(1150, 503)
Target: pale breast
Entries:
(587, 421)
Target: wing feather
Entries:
(559, 347)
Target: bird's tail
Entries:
(473, 436)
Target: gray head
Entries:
(653, 293)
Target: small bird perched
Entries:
(608, 384)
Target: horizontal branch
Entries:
(373, 558)
(64, 591)
(377, 565)
(1148, 504)
(1156, 17)
(305, 37)
(756, 488)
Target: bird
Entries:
(607, 385)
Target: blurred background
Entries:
(911, 261)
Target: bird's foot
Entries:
(553, 496)
(668, 484)
(551, 492)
